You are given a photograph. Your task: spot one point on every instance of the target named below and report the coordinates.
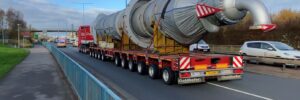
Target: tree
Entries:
(14, 18)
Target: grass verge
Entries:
(9, 58)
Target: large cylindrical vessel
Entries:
(177, 19)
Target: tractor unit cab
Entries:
(85, 38)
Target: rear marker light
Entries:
(238, 71)
(185, 75)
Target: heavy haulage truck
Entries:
(153, 37)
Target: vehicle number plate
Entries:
(197, 74)
(211, 73)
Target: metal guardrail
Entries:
(87, 86)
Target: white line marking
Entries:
(247, 93)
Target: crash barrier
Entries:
(86, 86)
(234, 50)
(270, 60)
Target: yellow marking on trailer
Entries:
(200, 67)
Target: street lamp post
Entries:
(18, 35)
(2, 27)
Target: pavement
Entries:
(38, 77)
(253, 86)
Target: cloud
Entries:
(43, 14)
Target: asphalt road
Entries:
(134, 86)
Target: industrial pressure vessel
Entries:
(178, 19)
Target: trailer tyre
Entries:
(93, 54)
(117, 61)
(141, 68)
(103, 58)
(131, 65)
(168, 76)
(98, 55)
(154, 71)
(124, 63)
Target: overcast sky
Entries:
(62, 13)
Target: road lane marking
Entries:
(243, 92)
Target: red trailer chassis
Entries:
(180, 68)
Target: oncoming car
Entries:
(200, 46)
(61, 43)
(269, 49)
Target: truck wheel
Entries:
(117, 61)
(99, 55)
(131, 65)
(153, 71)
(141, 68)
(124, 63)
(168, 76)
(103, 58)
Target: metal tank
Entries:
(178, 19)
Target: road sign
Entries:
(26, 34)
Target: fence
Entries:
(84, 83)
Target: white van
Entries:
(200, 46)
(271, 49)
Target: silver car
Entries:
(200, 46)
(271, 49)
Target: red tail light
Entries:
(185, 75)
(238, 71)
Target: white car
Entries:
(271, 49)
(200, 46)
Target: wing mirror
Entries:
(271, 49)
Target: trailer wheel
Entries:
(93, 54)
(168, 76)
(131, 65)
(124, 63)
(117, 61)
(99, 55)
(103, 58)
(154, 71)
(141, 68)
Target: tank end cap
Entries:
(264, 27)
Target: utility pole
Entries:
(18, 35)
(83, 10)
(23, 40)
(2, 28)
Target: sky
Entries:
(53, 14)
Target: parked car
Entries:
(271, 49)
(61, 43)
(200, 46)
